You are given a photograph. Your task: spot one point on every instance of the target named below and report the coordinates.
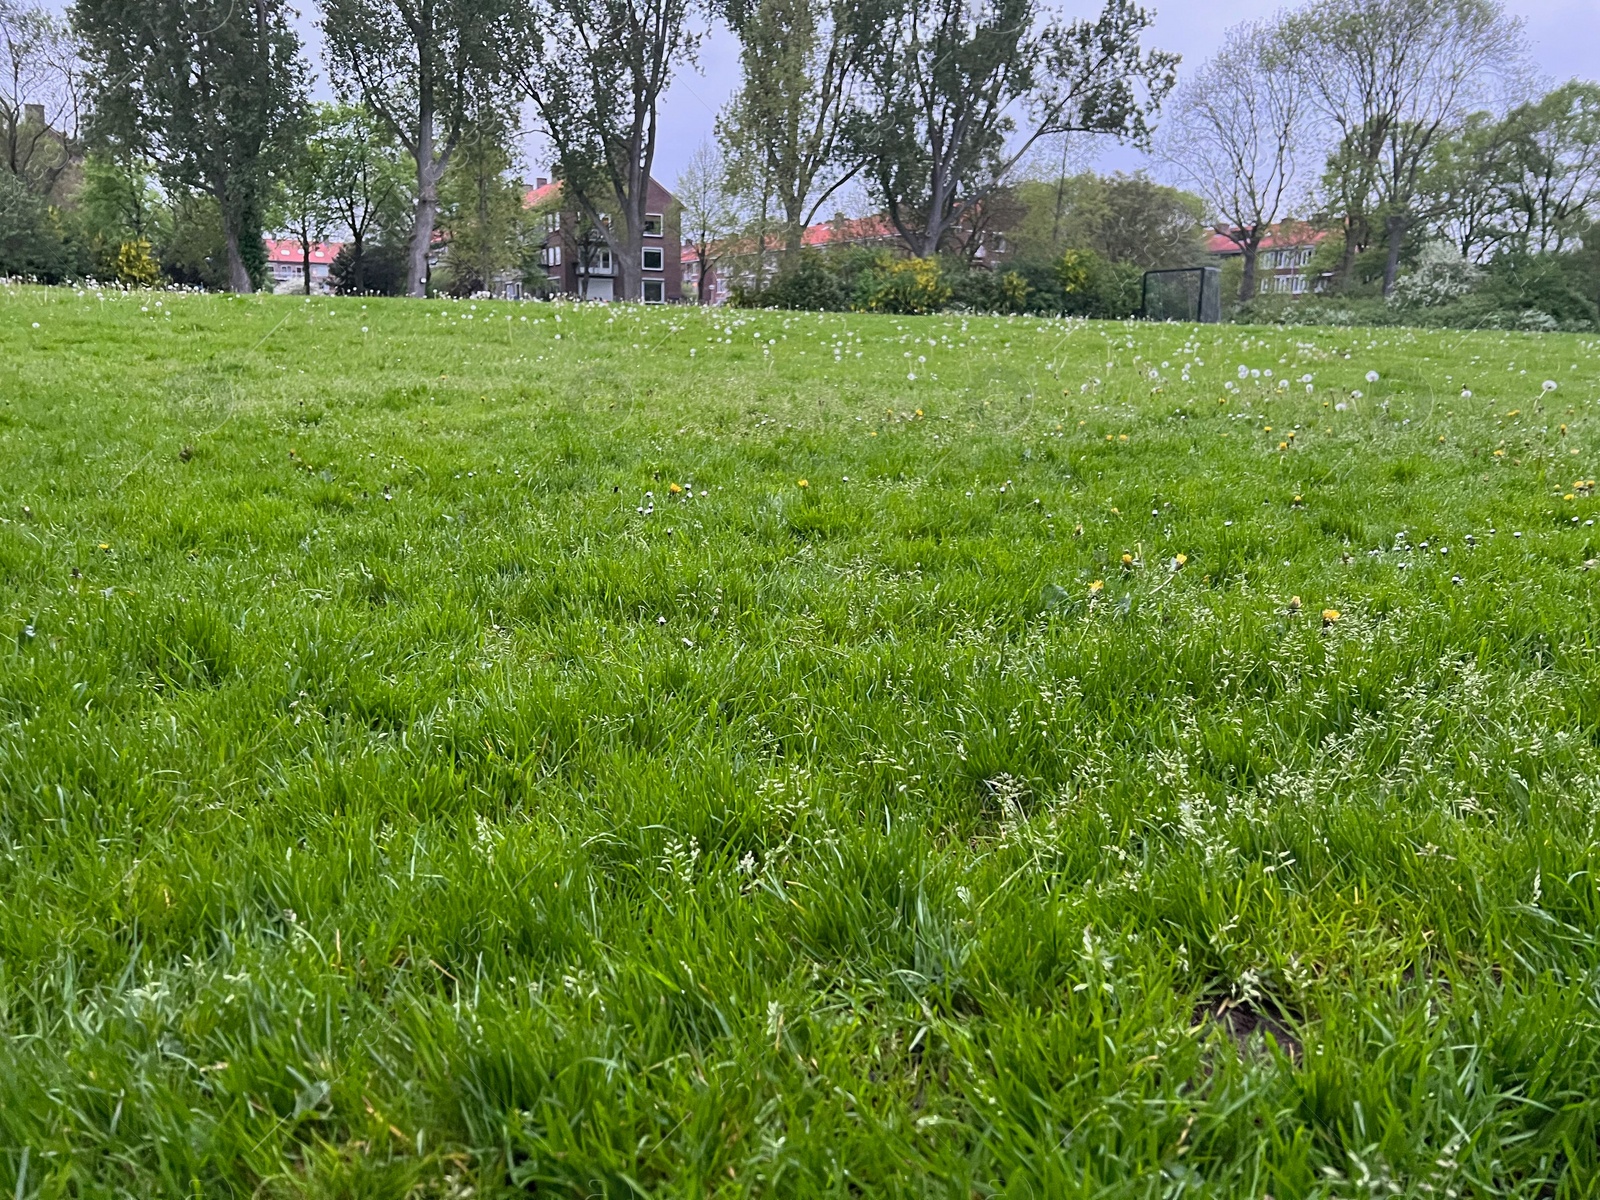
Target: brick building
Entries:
(579, 262)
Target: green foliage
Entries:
(406, 792)
(805, 282)
(935, 122)
(373, 269)
(1122, 218)
(207, 90)
(1094, 287)
(34, 242)
(903, 285)
(999, 291)
(480, 211)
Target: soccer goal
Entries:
(1184, 294)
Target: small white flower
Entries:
(1244, 372)
(1466, 393)
(1550, 385)
(1305, 379)
(1372, 377)
(1355, 395)
(1340, 407)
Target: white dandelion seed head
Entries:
(1372, 377)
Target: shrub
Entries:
(1441, 276)
(907, 286)
(135, 266)
(379, 270)
(806, 283)
(1093, 287)
(979, 290)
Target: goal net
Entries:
(1184, 294)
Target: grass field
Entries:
(454, 750)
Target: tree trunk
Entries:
(1347, 257)
(704, 296)
(305, 261)
(1395, 228)
(1247, 285)
(238, 274)
(427, 210)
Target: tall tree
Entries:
(1234, 134)
(950, 82)
(1553, 193)
(1466, 183)
(202, 88)
(1393, 77)
(787, 123)
(301, 205)
(424, 68)
(594, 71)
(41, 96)
(481, 209)
(365, 183)
(708, 215)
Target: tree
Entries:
(365, 185)
(708, 216)
(41, 97)
(594, 71)
(301, 204)
(481, 209)
(1393, 77)
(1234, 136)
(1121, 218)
(949, 80)
(1553, 187)
(205, 89)
(425, 69)
(787, 124)
(1466, 183)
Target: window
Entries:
(599, 260)
(655, 291)
(652, 224)
(552, 222)
(551, 256)
(1305, 257)
(653, 258)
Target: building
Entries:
(1281, 261)
(286, 260)
(579, 262)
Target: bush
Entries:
(1441, 277)
(806, 283)
(1093, 287)
(979, 290)
(135, 266)
(378, 270)
(32, 240)
(906, 286)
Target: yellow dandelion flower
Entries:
(1127, 560)
(674, 488)
(1294, 604)
(1123, 438)
(805, 483)
(1329, 616)
(1181, 559)
(1097, 587)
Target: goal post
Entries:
(1182, 294)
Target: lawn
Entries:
(470, 749)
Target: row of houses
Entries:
(579, 262)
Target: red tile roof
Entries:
(537, 196)
(824, 233)
(1283, 234)
(287, 250)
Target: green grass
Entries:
(405, 790)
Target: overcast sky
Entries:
(1564, 36)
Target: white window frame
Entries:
(661, 224)
(661, 258)
(644, 290)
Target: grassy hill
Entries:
(461, 749)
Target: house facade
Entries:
(1282, 260)
(580, 263)
(286, 260)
